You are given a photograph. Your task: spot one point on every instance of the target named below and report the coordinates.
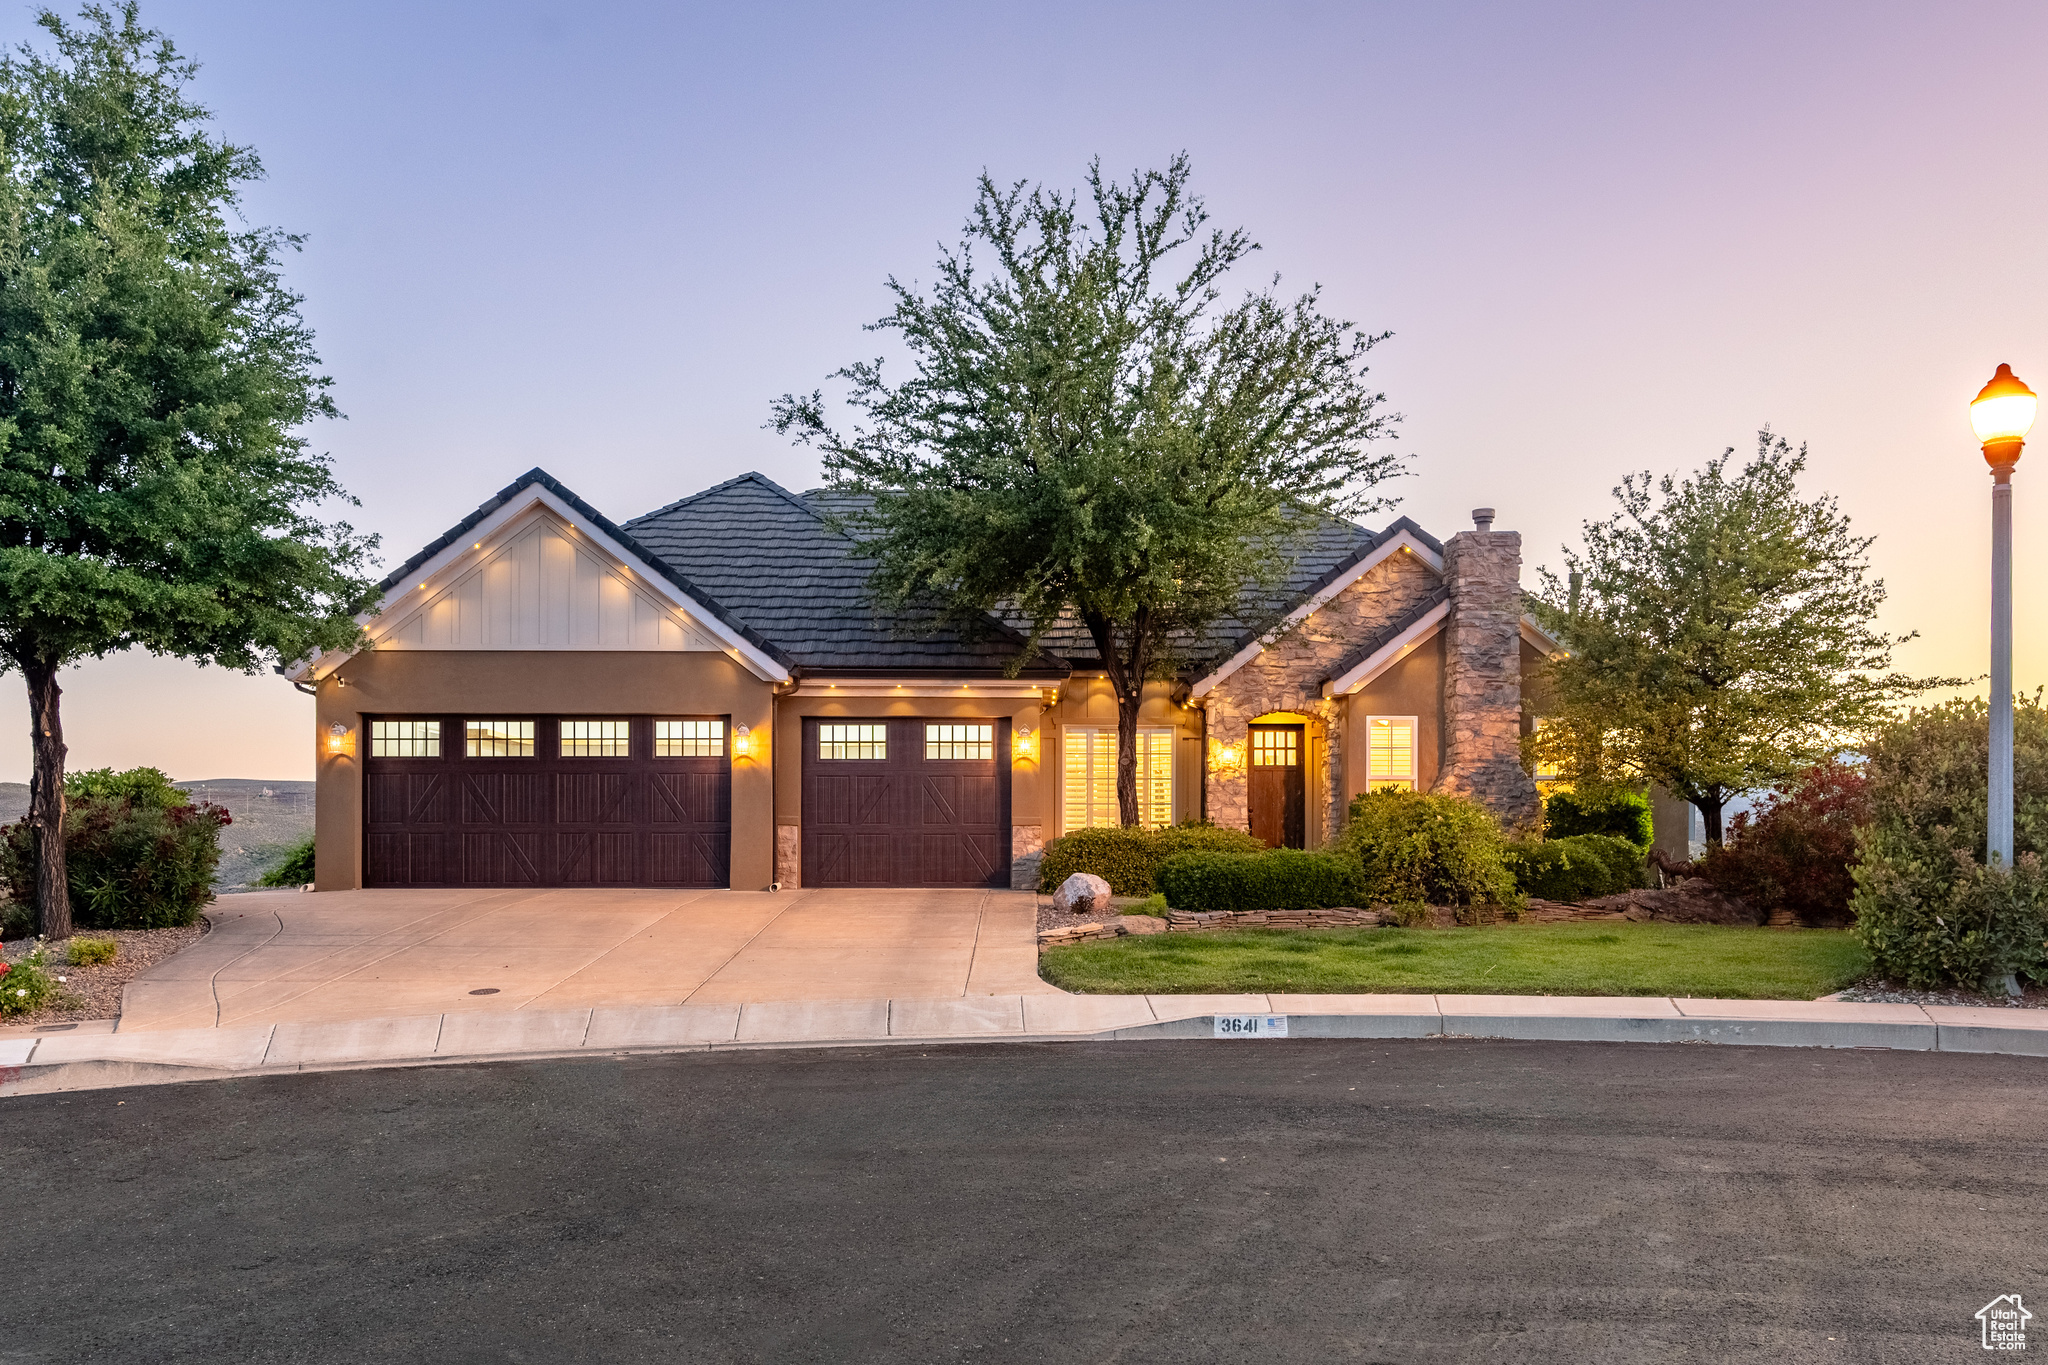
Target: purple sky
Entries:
(600, 239)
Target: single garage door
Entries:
(906, 802)
(547, 801)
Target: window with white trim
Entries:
(960, 741)
(1390, 752)
(689, 739)
(853, 741)
(498, 738)
(597, 739)
(405, 739)
(1089, 778)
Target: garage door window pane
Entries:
(405, 739)
(596, 739)
(689, 739)
(960, 741)
(498, 738)
(853, 741)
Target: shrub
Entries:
(1154, 905)
(1613, 811)
(1408, 914)
(1796, 850)
(1580, 868)
(135, 859)
(1129, 859)
(1926, 907)
(92, 952)
(1275, 879)
(295, 870)
(26, 985)
(1412, 846)
(17, 918)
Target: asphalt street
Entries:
(1262, 1201)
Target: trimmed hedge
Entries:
(1276, 879)
(1129, 859)
(1623, 814)
(1418, 846)
(1583, 867)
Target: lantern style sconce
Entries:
(742, 742)
(341, 741)
(1025, 744)
(1226, 759)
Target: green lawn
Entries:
(1535, 959)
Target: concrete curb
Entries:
(101, 1061)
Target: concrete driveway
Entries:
(288, 956)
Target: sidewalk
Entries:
(93, 1057)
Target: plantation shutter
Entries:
(1390, 751)
(1089, 785)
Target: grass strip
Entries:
(1536, 959)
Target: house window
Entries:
(1546, 767)
(405, 739)
(498, 738)
(1276, 748)
(960, 741)
(853, 741)
(597, 739)
(1090, 778)
(689, 739)
(1390, 752)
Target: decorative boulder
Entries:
(1084, 893)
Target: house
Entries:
(705, 697)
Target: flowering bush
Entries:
(27, 985)
(1795, 852)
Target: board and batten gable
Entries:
(540, 587)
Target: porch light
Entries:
(742, 741)
(1025, 743)
(2002, 415)
(341, 741)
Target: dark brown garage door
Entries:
(906, 802)
(547, 801)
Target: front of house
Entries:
(704, 697)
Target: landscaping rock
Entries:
(1084, 893)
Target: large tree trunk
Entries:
(1126, 673)
(1710, 815)
(46, 799)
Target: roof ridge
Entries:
(752, 475)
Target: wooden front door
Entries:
(906, 801)
(1278, 785)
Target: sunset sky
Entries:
(601, 238)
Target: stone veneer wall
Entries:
(1483, 677)
(1027, 851)
(1289, 677)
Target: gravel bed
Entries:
(1049, 918)
(95, 992)
(1874, 991)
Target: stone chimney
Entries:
(1483, 673)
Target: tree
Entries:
(1721, 633)
(154, 377)
(1089, 434)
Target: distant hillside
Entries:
(269, 818)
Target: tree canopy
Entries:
(156, 485)
(1089, 433)
(1722, 633)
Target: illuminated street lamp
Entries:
(2002, 415)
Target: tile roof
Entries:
(769, 557)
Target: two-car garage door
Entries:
(547, 801)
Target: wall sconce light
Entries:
(742, 742)
(1225, 758)
(341, 741)
(1026, 744)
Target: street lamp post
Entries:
(2001, 415)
